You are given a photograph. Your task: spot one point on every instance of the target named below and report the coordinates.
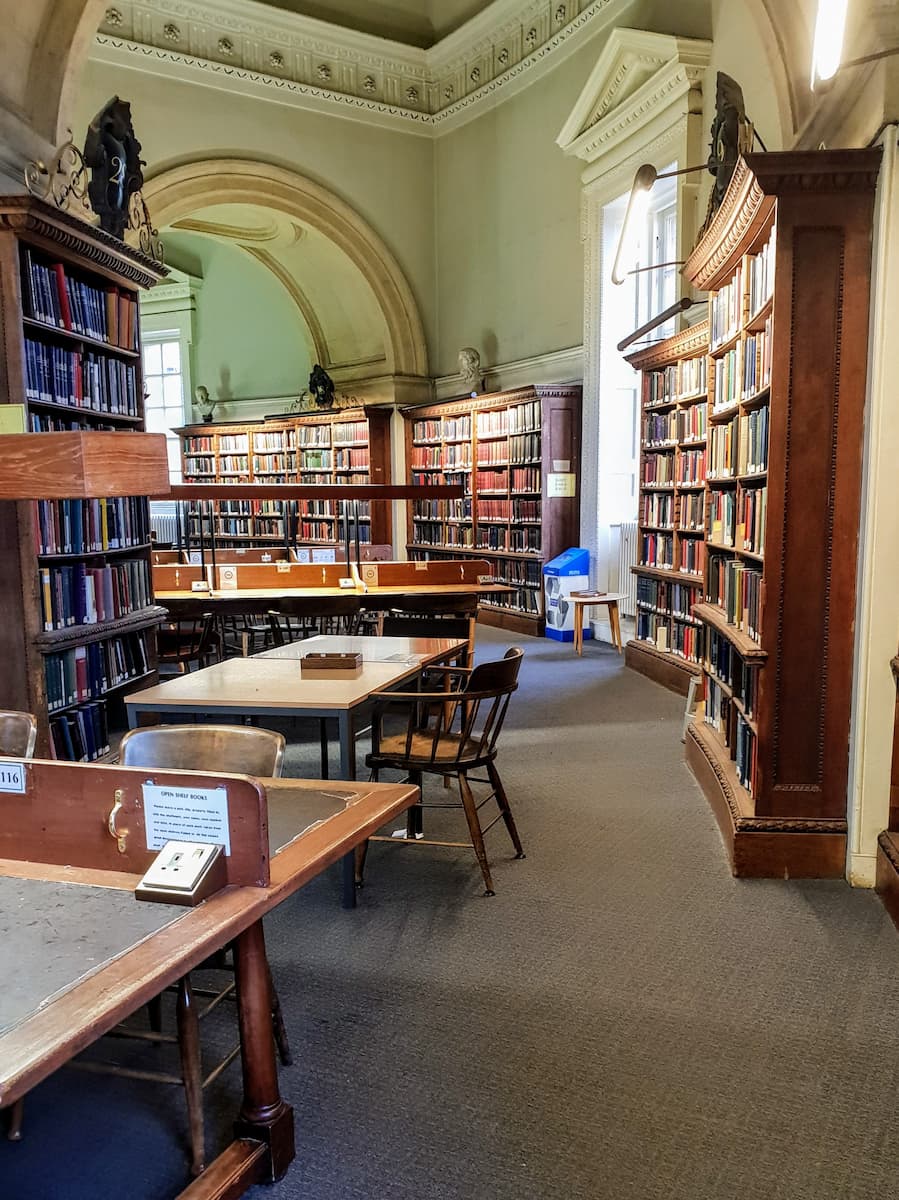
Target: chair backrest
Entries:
(416, 625)
(18, 733)
(232, 749)
(501, 675)
(447, 606)
(186, 639)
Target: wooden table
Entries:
(126, 953)
(581, 603)
(258, 601)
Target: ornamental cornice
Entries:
(311, 63)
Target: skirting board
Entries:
(670, 671)
(765, 847)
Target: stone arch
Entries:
(174, 193)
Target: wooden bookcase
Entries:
(786, 262)
(518, 455)
(887, 870)
(669, 640)
(71, 355)
(342, 447)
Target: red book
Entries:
(60, 271)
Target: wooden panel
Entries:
(666, 669)
(63, 818)
(64, 465)
(446, 571)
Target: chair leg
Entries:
(359, 855)
(14, 1117)
(414, 815)
(503, 801)
(278, 1027)
(191, 1073)
(154, 1013)
(474, 828)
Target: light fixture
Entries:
(827, 47)
(672, 310)
(635, 216)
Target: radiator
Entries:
(627, 558)
(165, 527)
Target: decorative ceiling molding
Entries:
(640, 84)
(251, 48)
(230, 233)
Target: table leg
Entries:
(578, 629)
(346, 728)
(615, 623)
(264, 1117)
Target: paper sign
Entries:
(185, 814)
(559, 484)
(322, 555)
(302, 554)
(228, 577)
(283, 568)
(370, 574)
(12, 777)
(195, 558)
(12, 418)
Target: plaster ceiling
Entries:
(335, 305)
(415, 22)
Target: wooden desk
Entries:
(72, 1000)
(270, 684)
(581, 603)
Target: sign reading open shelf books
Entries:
(748, 549)
(79, 623)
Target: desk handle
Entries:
(121, 838)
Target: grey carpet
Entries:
(623, 1020)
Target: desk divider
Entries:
(176, 577)
(62, 813)
(398, 574)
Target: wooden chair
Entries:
(304, 616)
(18, 733)
(186, 642)
(449, 733)
(434, 616)
(238, 749)
(240, 635)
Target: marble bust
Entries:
(203, 401)
(470, 370)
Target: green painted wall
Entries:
(249, 339)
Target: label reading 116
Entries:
(12, 777)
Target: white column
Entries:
(877, 615)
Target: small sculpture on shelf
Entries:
(470, 371)
(112, 152)
(204, 402)
(321, 385)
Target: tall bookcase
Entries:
(517, 453)
(786, 262)
(79, 622)
(669, 640)
(350, 446)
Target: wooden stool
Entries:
(587, 601)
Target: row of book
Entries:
(723, 441)
(524, 600)
(269, 463)
(309, 435)
(458, 535)
(658, 468)
(493, 481)
(457, 455)
(234, 464)
(239, 443)
(526, 479)
(691, 466)
(757, 361)
(660, 429)
(745, 754)
(727, 309)
(493, 453)
(692, 511)
(356, 459)
(427, 533)
(351, 433)
(692, 556)
(54, 296)
(87, 380)
(525, 418)
(53, 423)
(691, 423)
(722, 528)
(83, 595)
(723, 661)
(81, 735)
(525, 574)
(687, 640)
(657, 550)
(662, 386)
(89, 672)
(495, 510)
(728, 379)
(426, 457)
(658, 509)
(736, 587)
(318, 460)
(651, 627)
(427, 430)
(761, 273)
(202, 445)
(526, 510)
(525, 541)
(199, 468)
(753, 456)
(751, 519)
(524, 447)
(493, 423)
(679, 381)
(91, 526)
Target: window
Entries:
(164, 383)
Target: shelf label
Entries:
(186, 814)
(227, 578)
(559, 483)
(12, 777)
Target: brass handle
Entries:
(121, 837)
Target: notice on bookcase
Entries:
(228, 577)
(324, 554)
(12, 777)
(185, 815)
(560, 483)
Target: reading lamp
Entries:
(659, 319)
(635, 214)
(827, 47)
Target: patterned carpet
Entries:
(624, 1020)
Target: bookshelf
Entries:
(887, 869)
(669, 640)
(517, 453)
(786, 262)
(80, 622)
(349, 446)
